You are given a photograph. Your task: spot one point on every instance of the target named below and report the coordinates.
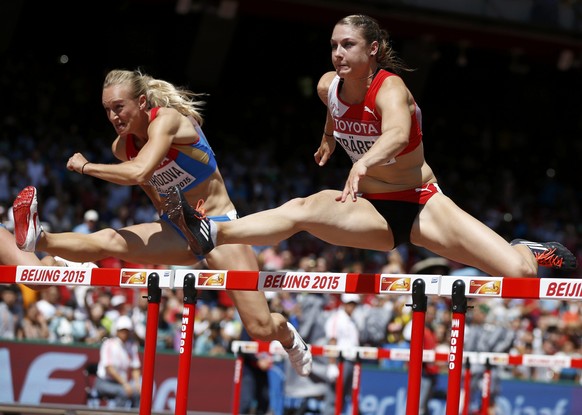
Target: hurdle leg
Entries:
(147, 381)
(419, 305)
(467, 387)
(186, 334)
(356, 380)
(339, 385)
(459, 308)
(238, 368)
(486, 392)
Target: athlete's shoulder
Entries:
(326, 80)
(324, 84)
(164, 112)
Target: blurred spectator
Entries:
(139, 314)
(103, 296)
(35, 170)
(306, 394)
(122, 217)
(211, 342)
(119, 367)
(570, 346)
(401, 315)
(270, 258)
(394, 264)
(168, 312)
(118, 306)
(485, 336)
(90, 222)
(60, 219)
(372, 319)
(5, 168)
(144, 212)
(9, 311)
(93, 330)
(58, 315)
(254, 389)
(33, 325)
(341, 330)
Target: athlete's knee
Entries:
(109, 241)
(297, 211)
(297, 203)
(305, 207)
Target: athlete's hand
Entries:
(76, 162)
(325, 150)
(358, 171)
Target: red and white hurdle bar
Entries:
(459, 288)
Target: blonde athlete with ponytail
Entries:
(160, 145)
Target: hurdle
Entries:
(459, 288)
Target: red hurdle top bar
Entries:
(326, 282)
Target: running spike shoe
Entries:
(550, 254)
(27, 227)
(192, 222)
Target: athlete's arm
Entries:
(327, 145)
(139, 170)
(393, 104)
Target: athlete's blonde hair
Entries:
(158, 93)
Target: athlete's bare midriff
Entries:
(219, 203)
(409, 171)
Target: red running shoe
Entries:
(27, 227)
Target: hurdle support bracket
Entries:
(419, 298)
(154, 290)
(190, 291)
(458, 297)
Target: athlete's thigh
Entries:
(154, 243)
(355, 224)
(445, 229)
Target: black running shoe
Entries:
(192, 222)
(550, 254)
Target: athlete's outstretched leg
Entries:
(149, 243)
(354, 224)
